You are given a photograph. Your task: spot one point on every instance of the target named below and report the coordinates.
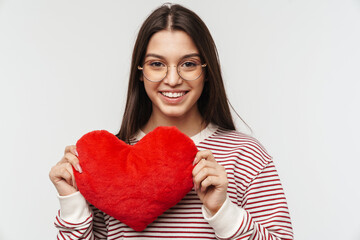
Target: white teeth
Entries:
(173, 94)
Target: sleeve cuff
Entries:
(74, 208)
(227, 220)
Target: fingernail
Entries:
(76, 153)
(78, 168)
(195, 160)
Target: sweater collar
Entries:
(197, 138)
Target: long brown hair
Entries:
(213, 103)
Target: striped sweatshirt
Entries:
(255, 207)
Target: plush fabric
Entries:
(135, 183)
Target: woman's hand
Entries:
(210, 181)
(62, 175)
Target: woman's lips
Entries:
(173, 97)
(173, 94)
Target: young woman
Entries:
(175, 80)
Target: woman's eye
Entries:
(189, 64)
(156, 64)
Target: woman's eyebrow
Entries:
(154, 55)
(191, 55)
(162, 57)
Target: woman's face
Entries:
(173, 96)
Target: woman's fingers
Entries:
(63, 178)
(70, 170)
(200, 175)
(203, 164)
(209, 181)
(59, 173)
(70, 156)
(62, 174)
(72, 149)
(206, 154)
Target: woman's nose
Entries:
(172, 78)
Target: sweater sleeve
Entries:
(76, 219)
(263, 213)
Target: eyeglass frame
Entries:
(167, 70)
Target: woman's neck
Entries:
(190, 125)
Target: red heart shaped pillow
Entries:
(135, 184)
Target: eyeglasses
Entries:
(156, 71)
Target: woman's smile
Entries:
(171, 94)
(173, 97)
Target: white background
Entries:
(291, 68)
